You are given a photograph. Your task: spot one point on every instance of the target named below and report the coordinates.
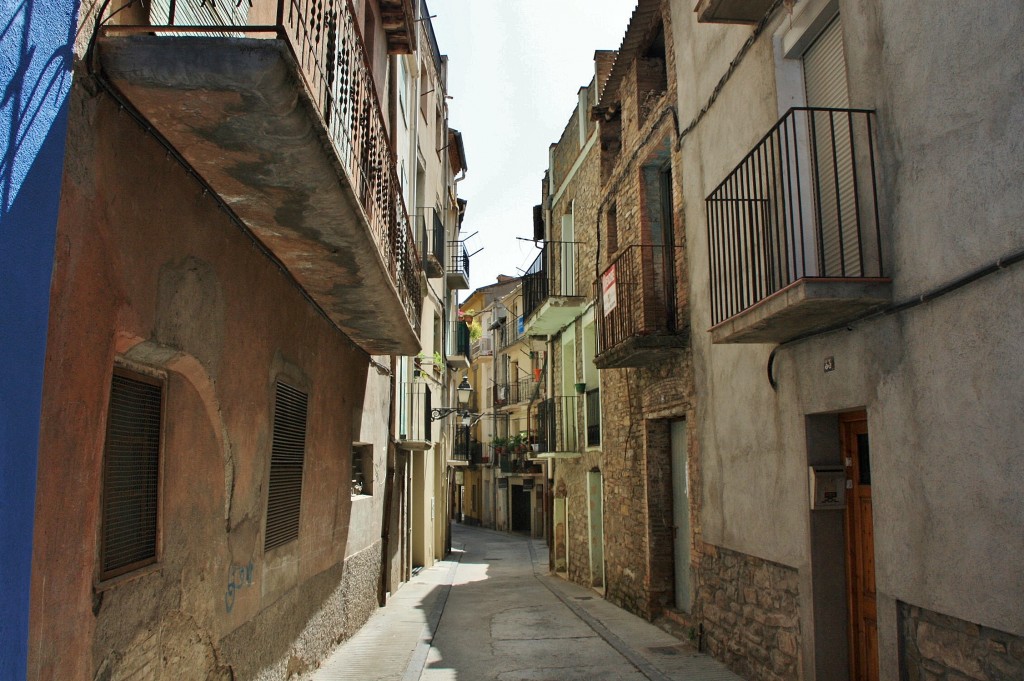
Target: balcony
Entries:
(639, 319)
(481, 347)
(510, 332)
(478, 454)
(282, 121)
(431, 243)
(555, 427)
(414, 425)
(458, 344)
(457, 269)
(517, 392)
(732, 11)
(793, 232)
(552, 294)
(462, 447)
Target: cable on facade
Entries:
(733, 65)
(895, 308)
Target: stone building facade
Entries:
(615, 514)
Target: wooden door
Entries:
(860, 549)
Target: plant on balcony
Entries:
(500, 445)
(519, 444)
(475, 331)
(436, 361)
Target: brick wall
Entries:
(936, 647)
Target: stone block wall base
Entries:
(750, 611)
(936, 647)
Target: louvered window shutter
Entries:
(131, 475)
(288, 453)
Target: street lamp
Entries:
(463, 392)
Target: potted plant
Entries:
(581, 388)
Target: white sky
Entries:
(514, 70)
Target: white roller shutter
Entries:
(825, 69)
(200, 12)
(826, 86)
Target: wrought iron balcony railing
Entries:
(636, 296)
(515, 392)
(477, 456)
(510, 332)
(462, 445)
(555, 425)
(457, 269)
(801, 205)
(553, 274)
(431, 242)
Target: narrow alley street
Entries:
(487, 612)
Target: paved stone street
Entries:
(491, 611)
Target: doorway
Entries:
(862, 629)
(681, 516)
(595, 521)
(520, 511)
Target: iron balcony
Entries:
(458, 344)
(431, 242)
(457, 270)
(274, 106)
(552, 293)
(555, 426)
(516, 392)
(794, 238)
(640, 318)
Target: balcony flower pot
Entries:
(581, 388)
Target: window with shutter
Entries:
(287, 456)
(131, 474)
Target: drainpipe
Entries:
(389, 484)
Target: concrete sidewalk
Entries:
(492, 611)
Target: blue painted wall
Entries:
(35, 76)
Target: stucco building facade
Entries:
(853, 285)
(219, 489)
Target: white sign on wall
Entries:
(608, 290)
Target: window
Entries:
(287, 455)
(612, 230)
(131, 474)
(403, 85)
(362, 469)
(424, 91)
(592, 396)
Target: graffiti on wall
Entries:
(239, 577)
